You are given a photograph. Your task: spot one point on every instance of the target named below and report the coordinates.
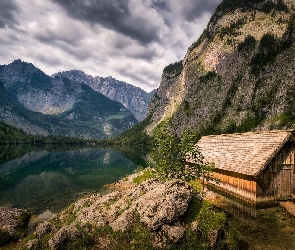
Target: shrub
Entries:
(144, 175)
(179, 157)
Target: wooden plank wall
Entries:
(277, 180)
(242, 186)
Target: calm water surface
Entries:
(41, 179)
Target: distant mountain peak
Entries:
(19, 63)
(43, 105)
(133, 98)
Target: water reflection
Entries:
(272, 228)
(42, 179)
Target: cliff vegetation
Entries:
(237, 77)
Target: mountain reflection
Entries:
(41, 179)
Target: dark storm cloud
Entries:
(144, 77)
(160, 5)
(131, 40)
(45, 58)
(8, 11)
(115, 15)
(54, 39)
(193, 9)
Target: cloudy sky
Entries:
(131, 40)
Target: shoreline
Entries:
(163, 211)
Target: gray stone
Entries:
(32, 244)
(44, 228)
(12, 219)
(164, 204)
(65, 235)
(124, 222)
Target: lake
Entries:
(50, 178)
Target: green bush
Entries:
(267, 51)
(171, 154)
(173, 69)
(5, 237)
(248, 44)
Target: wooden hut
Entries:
(257, 167)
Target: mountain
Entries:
(238, 76)
(133, 98)
(42, 105)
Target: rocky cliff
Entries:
(238, 76)
(133, 98)
(42, 105)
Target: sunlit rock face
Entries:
(133, 98)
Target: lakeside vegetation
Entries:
(10, 135)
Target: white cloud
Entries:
(131, 40)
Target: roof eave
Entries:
(289, 137)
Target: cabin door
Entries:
(286, 181)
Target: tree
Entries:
(192, 159)
(179, 157)
(166, 152)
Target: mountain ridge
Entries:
(133, 98)
(237, 77)
(42, 105)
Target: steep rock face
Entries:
(39, 104)
(133, 98)
(16, 115)
(238, 76)
(36, 91)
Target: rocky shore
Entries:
(152, 215)
(13, 224)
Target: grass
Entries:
(203, 222)
(144, 175)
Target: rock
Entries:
(110, 198)
(117, 208)
(164, 204)
(32, 244)
(96, 213)
(158, 205)
(174, 233)
(65, 235)
(92, 215)
(44, 228)
(12, 219)
(213, 236)
(124, 222)
(194, 226)
(13, 223)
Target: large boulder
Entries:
(156, 204)
(164, 204)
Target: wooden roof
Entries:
(246, 153)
